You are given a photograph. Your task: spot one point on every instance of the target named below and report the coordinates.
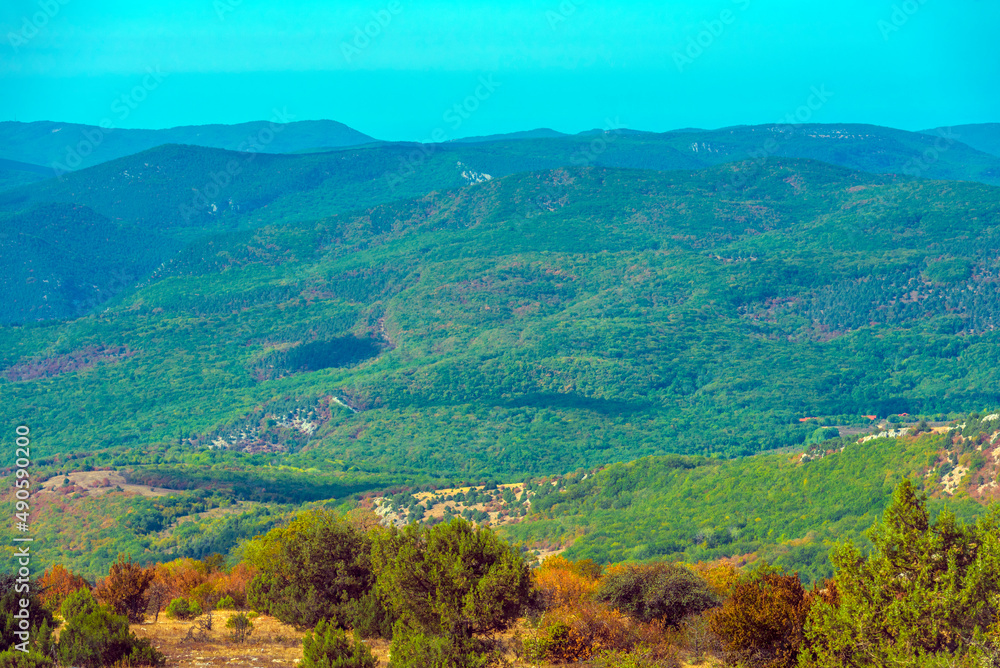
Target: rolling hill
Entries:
(542, 322)
(14, 173)
(983, 137)
(187, 191)
(785, 508)
(71, 146)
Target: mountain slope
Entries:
(14, 174)
(540, 133)
(197, 190)
(983, 137)
(786, 508)
(547, 321)
(62, 260)
(72, 146)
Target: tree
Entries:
(240, 627)
(927, 588)
(448, 584)
(761, 623)
(39, 618)
(452, 579)
(662, 591)
(57, 583)
(95, 636)
(315, 568)
(328, 647)
(125, 589)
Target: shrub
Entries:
(58, 583)
(411, 648)
(762, 623)
(575, 633)
(95, 636)
(329, 647)
(240, 627)
(662, 591)
(310, 570)
(562, 582)
(13, 658)
(226, 603)
(183, 608)
(125, 589)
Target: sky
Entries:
(396, 69)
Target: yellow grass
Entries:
(272, 644)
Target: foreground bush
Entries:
(312, 569)
(226, 603)
(569, 634)
(449, 584)
(125, 589)
(927, 592)
(560, 581)
(182, 608)
(761, 624)
(94, 636)
(33, 659)
(640, 657)
(329, 647)
(663, 592)
(40, 618)
(412, 648)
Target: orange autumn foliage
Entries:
(561, 582)
(720, 576)
(57, 583)
(126, 589)
(200, 580)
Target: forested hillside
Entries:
(186, 192)
(785, 508)
(71, 146)
(983, 137)
(544, 322)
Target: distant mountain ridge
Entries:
(983, 137)
(540, 133)
(71, 146)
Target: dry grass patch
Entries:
(272, 643)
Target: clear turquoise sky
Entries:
(566, 64)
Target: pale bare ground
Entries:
(94, 484)
(272, 644)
